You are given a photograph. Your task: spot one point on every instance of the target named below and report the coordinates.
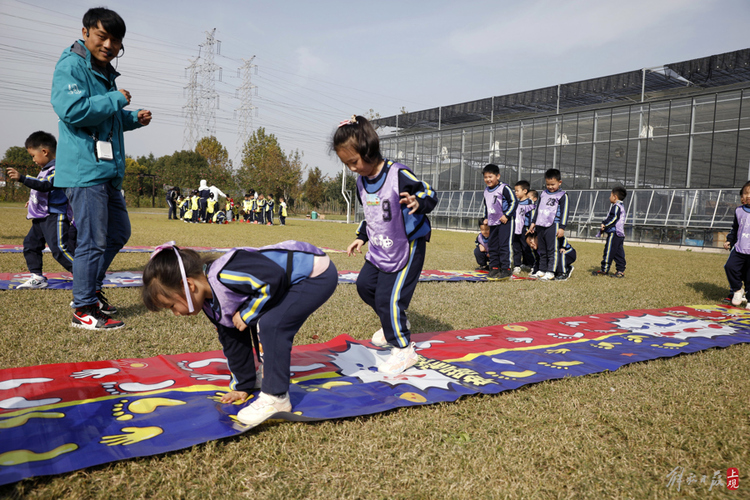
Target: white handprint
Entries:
(95, 373)
(527, 340)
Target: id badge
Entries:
(104, 150)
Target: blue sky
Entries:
(321, 61)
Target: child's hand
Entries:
(410, 201)
(531, 229)
(503, 219)
(233, 396)
(356, 246)
(13, 173)
(562, 250)
(727, 245)
(602, 227)
(560, 233)
(482, 249)
(238, 323)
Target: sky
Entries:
(319, 62)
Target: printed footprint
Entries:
(141, 406)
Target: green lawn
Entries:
(611, 435)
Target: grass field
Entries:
(612, 435)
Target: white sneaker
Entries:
(547, 276)
(516, 270)
(539, 274)
(36, 281)
(263, 408)
(737, 298)
(378, 339)
(400, 360)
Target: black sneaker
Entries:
(104, 305)
(618, 274)
(482, 268)
(505, 274)
(562, 277)
(494, 273)
(91, 318)
(600, 272)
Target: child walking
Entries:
(500, 204)
(614, 227)
(548, 222)
(396, 205)
(272, 290)
(49, 211)
(282, 211)
(737, 267)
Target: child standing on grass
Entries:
(548, 223)
(481, 252)
(738, 240)
(500, 204)
(522, 257)
(272, 290)
(269, 210)
(396, 205)
(614, 227)
(49, 211)
(282, 211)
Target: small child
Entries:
(269, 210)
(272, 290)
(260, 210)
(247, 208)
(481, 252)
(396, 205)
(210, 207)
(738, 264)
(523, 259)
(194, 207)
(500, 204)
(229, 209)
(49, 211)
(614, 227)
(182, 204)
(548, 222)
(219, 217)
(282, 211)
(565, 262)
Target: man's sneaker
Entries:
(263, 408)
(378, 339)
(505, 274)
(548, 276)
(517, 270)
(400, 360)
(104, 306)
(91, 318)
(618, 274)
(36, 281)
(737, 298)
(539, 274)
(600, 272)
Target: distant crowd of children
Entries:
(204, 206)
(524, 231)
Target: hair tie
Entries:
(350, 121)
(173, 246)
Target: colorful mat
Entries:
(64, 281)
(63, 417)
(146, 249)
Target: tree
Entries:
(333, 187)
(266, 168)
(183, 168)
(133, 181)
(219, 165)
(314, 189)
(18, 156)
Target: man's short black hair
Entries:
(491, 168)
(41, 139)
(111, 21)
(620, 192)
(553, 173)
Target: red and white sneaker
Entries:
(104, 305)
(91, 318)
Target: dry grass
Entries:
(611, 435)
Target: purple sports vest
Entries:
(742, 245)
(38, 201)
(230, 301)
(389, 244)
(547, 208)
(620, 225)
(521, 212)
(494, 202)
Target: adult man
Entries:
(91, 158)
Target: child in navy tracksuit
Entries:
(247, 293)
(737, 267)
(481, 252)
(523, 259)
(614, 227)
(500, 204)
(49, 211)
(548, 223)
(396, 226)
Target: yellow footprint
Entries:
(636, 338)
(557, 351)
(141, 406)
(606, 345)
(328, 385)
(22, 419)
(561, 365)
(511, 375)
(671, 345)
(17, 457)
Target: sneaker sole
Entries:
(93, 327)
(256, 422)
